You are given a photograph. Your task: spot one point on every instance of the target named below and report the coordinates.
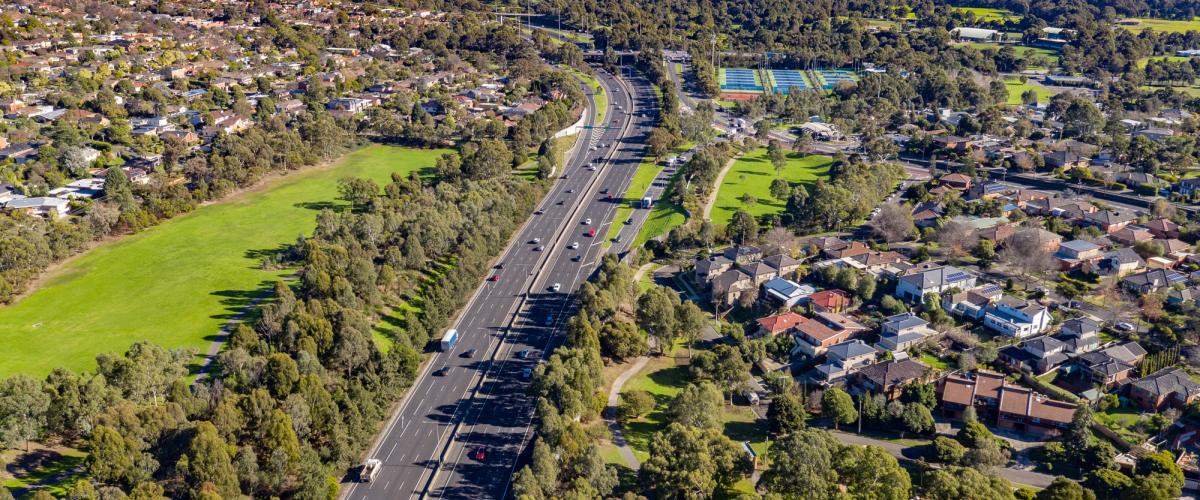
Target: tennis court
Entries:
(783, 80)
(831, 77)
(740, 80)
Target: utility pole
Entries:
(860, 398)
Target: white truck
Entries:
(449, 339)
(369, 470)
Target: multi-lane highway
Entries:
(460, 430)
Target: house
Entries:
(1065, 160)
(842, 360)
(1074, 253)
(780, 292)
(998, 233)
(902, 331)
(1039, 355)
(1187, 186)
(759, 271)
(889, 378)
(1131, 235)
(1079, 335)
(972, 303)
(1185, 296)
(1111, 365)
(42, 206)
(1166, 388)
(885, 263)
(1005, 405)
(1119, 262)
(913, 287)
(784, 265)
(833, 300)
(728, 286)
(956, 181)
(1110, 221)
(1016, 317)
(1155, 133)
(1163, 228)
(852, 249)
(777, 324)
(707, 269)
(814, 337)
(1151, 280)
(743, 254)
(845, 326)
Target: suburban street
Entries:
(480, 404)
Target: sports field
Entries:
(1140, 24)
(1016, 88)
(987, 14)
(753, 172)
(177, 283)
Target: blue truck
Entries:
(449, 339)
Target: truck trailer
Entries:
(449, 339)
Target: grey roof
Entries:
(1078, 327)
(785, 287)
(936, 277)
(1168, 381)
(894, 372)
(1044, 344)
(850, 349)
(904, 320)
(1079, 246)
(1155, 277)
(780, 261)
(40, 201)
(1124, 255)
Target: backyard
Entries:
(176, 284)
(752, 174)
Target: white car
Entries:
(539, 248)
(536, 240)
(587, 222)
(556, 287)
(574, 245)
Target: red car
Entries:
(478, 455)
(591, 232)
(495, 277)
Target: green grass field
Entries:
(176, 284)
(988, 14)
(1162, 25)
(56, 477)
(753, 172)
(1016, 88)
(1143, 61)
(663, 380)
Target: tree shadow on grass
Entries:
(322, 205)
(236, 302)
(258, 254)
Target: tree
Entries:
(948, 451)
(109, 457)
(742, 229)
(1153, 487)
(954, 483)
(778, 156)
(925, 394)
(697, 405)
(837, 406)
(871, 472)
(634, 403)
(1162, 463)
(786, 414)
(1108, 484)
(893, 223)
(802, 466)
(1026, 252)
(955, 237)
(23, 406)
(656, 314)
(691, 322)
(780, 189)
(917, 418)
(1065, 489)
(690, 463)
(145, 371)
(208, 462)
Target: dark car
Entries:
(470, 353)
(441, 372)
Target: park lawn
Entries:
(1141, 63)
(753, 172)
(663, 215)
(647, 280)
(1016, 88)
(988, 14)
(56, 477)
(662, 379)
(1163, 25)
(177, 283)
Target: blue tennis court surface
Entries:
(831, 77)
(786, 79)
(740, 80)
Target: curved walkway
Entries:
(712, 197)
(610, 412)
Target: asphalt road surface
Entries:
(461, 428)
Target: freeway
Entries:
(473, 399)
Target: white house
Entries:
(1016, 317)
(902, 331)
(913, 287)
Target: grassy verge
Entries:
(662, 379)
(1162, 25)
(752, 174)
(176, 284)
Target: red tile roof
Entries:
(780, 322)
